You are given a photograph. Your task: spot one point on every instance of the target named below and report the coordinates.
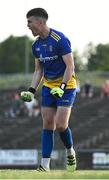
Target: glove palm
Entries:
(27, 96)
(57, 92)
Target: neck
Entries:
(45, 32)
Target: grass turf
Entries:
(54, 174)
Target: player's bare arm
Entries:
(37, 75)
(69, 71)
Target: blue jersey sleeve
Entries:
(64, 46)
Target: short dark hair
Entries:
(38, 12)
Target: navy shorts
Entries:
(48, 100)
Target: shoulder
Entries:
(57, 35)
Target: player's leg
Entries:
(62, 121)
(48, 113)
(62, 124)
(47, 135)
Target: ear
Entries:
(40, 21)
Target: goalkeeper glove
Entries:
(59, 91)
(28, 95)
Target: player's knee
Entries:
(48, 124)
(60, 127)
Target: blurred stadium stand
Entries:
(89, 123)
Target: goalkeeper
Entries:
(54, 63)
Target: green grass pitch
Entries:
(54, 174)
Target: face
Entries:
(34, 25)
